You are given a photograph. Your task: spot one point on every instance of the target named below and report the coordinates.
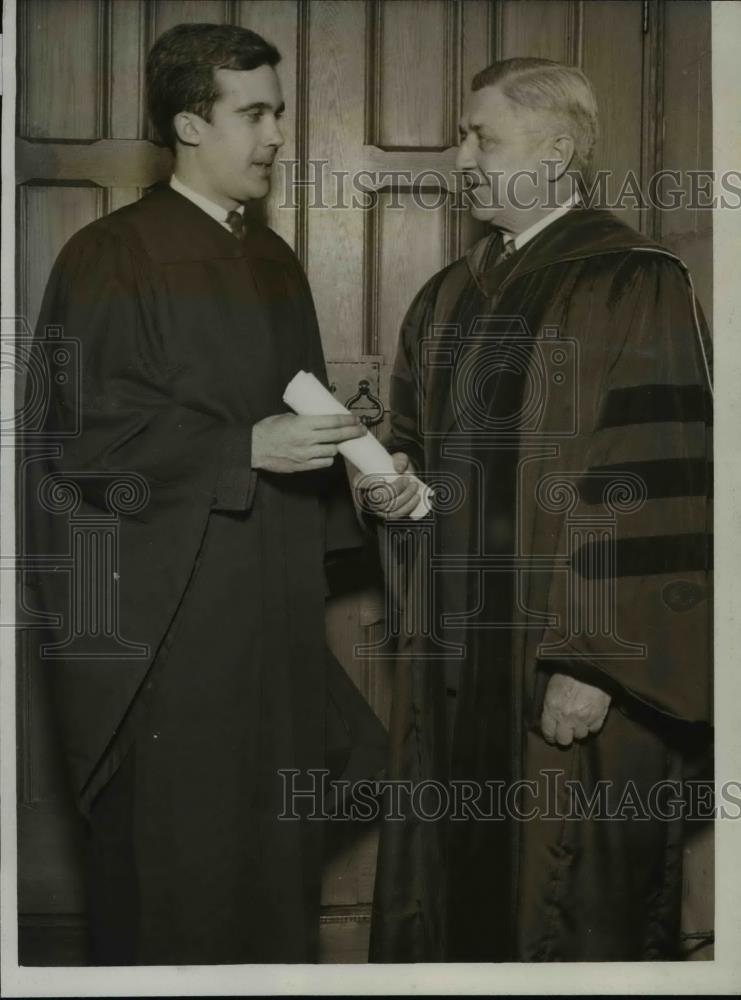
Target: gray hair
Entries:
(562, 92)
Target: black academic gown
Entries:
(206, 668)
(562, 395)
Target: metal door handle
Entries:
(365, 400)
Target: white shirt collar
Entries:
(527, 234)
(216, 212)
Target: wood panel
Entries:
(411, 249)
(335, 87)
(64, 97)
(688, 145)
(687, 137)
(539, 28)
(168, 13)
(278, 22)
(47, 217)
(127, 46)
(419, 77)
(119, 196)
(613, 61)
(478, 42)
(478, 49)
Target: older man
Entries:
(557, 378)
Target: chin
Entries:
(484, 214)
(254, 192)
(253, 189)
(483, 204)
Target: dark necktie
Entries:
(507, 250)
(236, 223)
(495, 256)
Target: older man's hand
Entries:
(572, 710)
(389, 498)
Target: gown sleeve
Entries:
(406, 380)
(634, 612)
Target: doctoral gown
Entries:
(197, 645)
(559, 400)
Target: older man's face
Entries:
(499, 141)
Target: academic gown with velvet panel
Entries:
(562, 394)
(187, 338)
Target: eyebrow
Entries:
(262, 106)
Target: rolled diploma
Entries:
(307, 396)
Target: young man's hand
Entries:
(572, 710)
(288, 442)
(389, 498)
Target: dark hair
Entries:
(181, 64)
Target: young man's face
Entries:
(498, 140)
(237, 147)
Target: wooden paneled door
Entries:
(372, 87)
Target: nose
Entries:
(274, 136)
(465, 160)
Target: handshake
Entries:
(322, 428)
(386, 497)
(287, 443)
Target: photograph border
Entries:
(722, 975)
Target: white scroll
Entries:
(307, 396)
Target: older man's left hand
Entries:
(572, 710)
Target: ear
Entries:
(187, 128)
(560, 155)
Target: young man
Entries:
(191, 321)
(559, 375)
